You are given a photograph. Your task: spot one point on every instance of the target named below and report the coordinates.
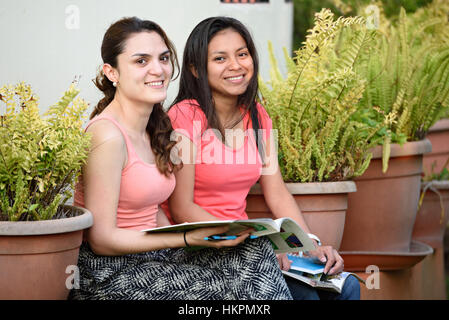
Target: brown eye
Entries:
(165, 58)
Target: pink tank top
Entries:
(142, 188)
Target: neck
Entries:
(226, 109)
(133, 116)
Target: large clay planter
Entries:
(34, 256)
(381, 214)
(323, 205)
(422, 281)
(433, 216)
(439, 137)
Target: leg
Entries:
(301, 291)
(350, 291)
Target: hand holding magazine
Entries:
(284, 234)
(311, 273)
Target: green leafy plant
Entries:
(40, 156)
(312, 107)
(407, 74)
(440, 176)
(304, 10)
(432, 182)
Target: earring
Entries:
(114, 84)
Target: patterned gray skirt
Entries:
(249, 271)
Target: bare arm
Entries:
(282, 204)
(279, 199)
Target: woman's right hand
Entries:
(196, 237)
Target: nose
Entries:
(234, 64)
(155, 68)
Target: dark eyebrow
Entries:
(148, 55)
(222, 52)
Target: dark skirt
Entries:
(249, 271)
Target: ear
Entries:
(110, 72)
(193, 70)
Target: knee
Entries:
(351, 289)
(300, 291)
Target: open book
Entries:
(284, 233)
(311, 273)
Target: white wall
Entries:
(46, 43)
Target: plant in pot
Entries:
(40, 158)
(406, 71)
(431, 227)
(438, 135)
(320, 148)
(433, 209)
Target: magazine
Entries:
(284, 234)
(312, 273)
(307, 265)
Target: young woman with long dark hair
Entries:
(218, 119)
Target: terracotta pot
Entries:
(423, 281)
(34, 256)
(381, 214)
(433, 216)
(439, 137)
(360, 260)
(323, 205)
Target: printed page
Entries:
(188, 226)
(311, 280)
(305, 265)
(294, 236)
(261, 226)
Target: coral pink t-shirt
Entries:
(142, 188)
(223, 175)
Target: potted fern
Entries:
(435, 161)
(433, 210)
(431, 228)
(321, 149)
(436, 16)
(406, 73)
(40, 158)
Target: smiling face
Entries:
(229, 65)
(143, 68)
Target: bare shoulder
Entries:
(107, 139)
(103, 131)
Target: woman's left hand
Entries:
(284, 262)
(327, 254)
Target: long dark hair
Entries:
(197, 87)
(159, 127)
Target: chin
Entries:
(156, 99)
(237, 92)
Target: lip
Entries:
(155, 84)
(236, 78)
